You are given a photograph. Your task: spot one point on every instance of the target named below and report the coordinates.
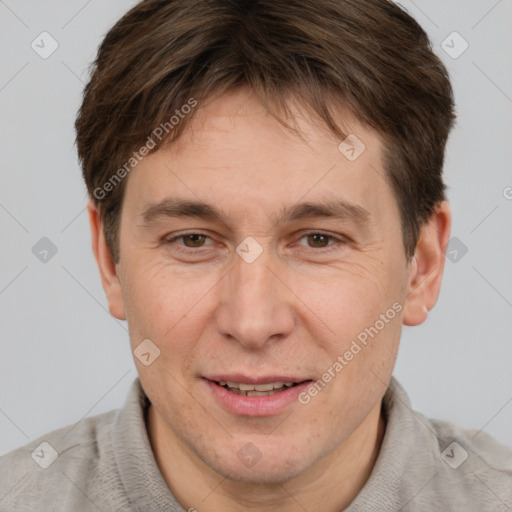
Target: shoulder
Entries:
(431, 464)
(487, 452)
(476, 463)
(67, 460)
(466, 469)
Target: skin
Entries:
(292, 311)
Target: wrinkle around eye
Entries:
(335, 240)
(294, 246)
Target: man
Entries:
(267, 210)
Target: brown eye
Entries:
(189, 241)
(318, 240)
(196, 240)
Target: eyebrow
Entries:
(182, 208)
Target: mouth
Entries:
(255, 396)
(268, 389)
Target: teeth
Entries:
(264, 387)
(256, 389)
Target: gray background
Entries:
(63, 357)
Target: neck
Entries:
(330, 485)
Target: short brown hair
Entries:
(368, 54)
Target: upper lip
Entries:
(245, 379)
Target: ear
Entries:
(427, 265)
(106, 265)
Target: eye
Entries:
(319, 240)
(188, 241)
(191, 240)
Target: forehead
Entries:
(236, 156)
(238, 113)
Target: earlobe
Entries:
(426, 268)
(108, 270)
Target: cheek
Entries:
(348, 298)
(173, 304)
(163, 304)
(360, 311)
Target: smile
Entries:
(268, 389)
(255, 396)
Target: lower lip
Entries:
(256, 405)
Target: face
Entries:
(256, 288)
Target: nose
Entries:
(256, 306)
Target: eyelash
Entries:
(188, 250)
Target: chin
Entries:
(276, 472)
(271, 463)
